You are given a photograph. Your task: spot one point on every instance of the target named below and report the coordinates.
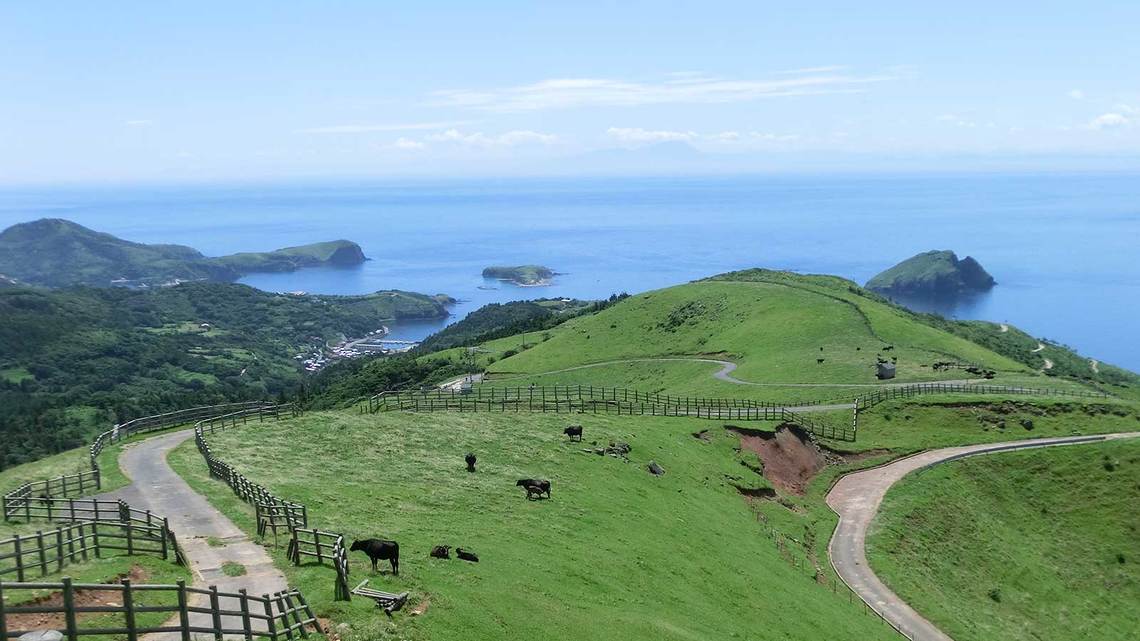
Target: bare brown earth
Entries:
(791, 459)
(83, 598)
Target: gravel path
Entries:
(156, 487)
(856, 499)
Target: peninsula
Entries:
(521, 275)
(53, 252)
(933, 273)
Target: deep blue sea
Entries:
(1065, 248)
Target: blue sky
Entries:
(153, 91)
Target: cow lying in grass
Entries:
(377, 549)
(534, 487)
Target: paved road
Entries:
(156, 487)
(856, 499)
(724, 374)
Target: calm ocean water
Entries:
(1064, 248)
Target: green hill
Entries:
(933, 273)
(57, 253)
(76, 359)
(1023, 545)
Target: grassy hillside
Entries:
(1035, 545)
(616, 554)
(76, 360)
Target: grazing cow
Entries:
(533, 492)
(574, 432)
(888, 348)
(470, 458)
(819, 361)
(377, 549)
(466, 555)
(441, 552)
(541, 484)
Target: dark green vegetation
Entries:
(499, 320)
(1038, 545)
(74, 361)
(616, 553)
(56, 253)
(933, 273)
(527, 275)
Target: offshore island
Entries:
(522, 275)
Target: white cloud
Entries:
(1076, 94)
(680, 87)
(637, 135)
(957, 121)
(480, 139)
(362, 129)
(409, 144)
(1110, 120)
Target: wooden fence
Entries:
(273, 512)
(586, 399)
(326, 548)
(44, 553)
(194, 611)
(866, 401)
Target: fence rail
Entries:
(326, 548)
(601, 400)
(867, 401)
(195, 611)
(44, 553)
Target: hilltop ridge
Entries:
(53, 252)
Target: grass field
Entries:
(1041, 545)
(615, 554)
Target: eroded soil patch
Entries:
(790, 457)
(83, 598)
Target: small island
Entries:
(933, 274)
(522, 275)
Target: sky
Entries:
(97, 92)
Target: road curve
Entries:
(724, 373)
(856, 499)
(158, 488)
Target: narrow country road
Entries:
(723, 374)
(856, 499)
(156, 487)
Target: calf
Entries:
(441, 552)
(466, 555)
(574, 432)
(542, 484)
(470, 458)
(377, 549)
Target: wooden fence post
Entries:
(246, 625)
(69, 609)
(269, 618)
(129, 606)
(183, 613)
(216, 612)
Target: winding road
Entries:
(856, 499)
(158, 488)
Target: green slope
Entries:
(615, 554)
(1038, 545)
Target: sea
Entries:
(1064, 247)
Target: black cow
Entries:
(377, 549)
(470, 458)
(819, 361)
(441, 552)
(542, 484)
(574, 432)
(466, 555)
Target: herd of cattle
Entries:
(385, 550)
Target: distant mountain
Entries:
(56, 253)
(933, 273)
